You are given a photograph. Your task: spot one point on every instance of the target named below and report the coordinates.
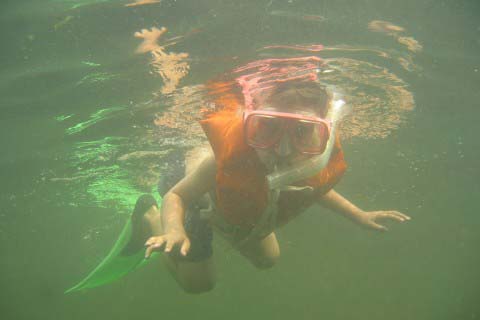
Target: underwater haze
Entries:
(90, 111)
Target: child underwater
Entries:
(270, 157)
(237, 188)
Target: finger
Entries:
(392, 216)
(161, 31)
(145, 30)
(169, 246)
(148, 252)
(404, 216)
(137, 34)
(154, 245)
(152, 240)
(185, 247)
(379, 227)
(159, 244)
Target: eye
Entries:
(303, 130)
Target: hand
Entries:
(150, 38)
(369, 219)
(167, 242)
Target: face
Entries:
(284, 154)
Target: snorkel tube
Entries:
(311, 166)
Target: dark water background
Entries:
(330, 268)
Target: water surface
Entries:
(77, 102)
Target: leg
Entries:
(194, 273)
(193, 277)
(262, 253)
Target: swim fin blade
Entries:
(116, 264)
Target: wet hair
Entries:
(301, 93)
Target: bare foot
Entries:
(146, 223)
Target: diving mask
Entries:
(315, 163)
(264, 129)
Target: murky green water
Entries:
(79, 143)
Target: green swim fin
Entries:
(115, 265)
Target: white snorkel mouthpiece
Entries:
(313, 165)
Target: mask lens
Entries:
(263, 131)
(310, 137)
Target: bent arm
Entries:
(186, 192)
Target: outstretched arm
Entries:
(337, 203)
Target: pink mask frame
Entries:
(247, 114)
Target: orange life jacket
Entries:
(241, 185)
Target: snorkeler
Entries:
(264, 166)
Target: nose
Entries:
(284, 148)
